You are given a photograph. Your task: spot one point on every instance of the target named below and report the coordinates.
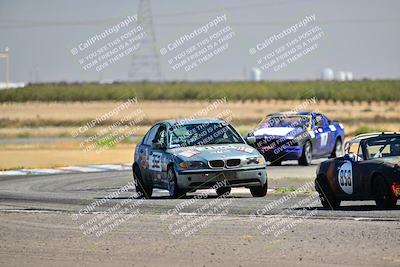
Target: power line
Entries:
(176, 24)
(16, 24)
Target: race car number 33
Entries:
(345, 177)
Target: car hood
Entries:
(279, 131)
(213, 152)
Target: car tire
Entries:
(173, 188)
(144, 189)
(382, 195)
(337, 149)
(223, 190)
(259, 191)
(276, 163)
(326, 196)
(306, 156)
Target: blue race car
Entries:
(300, 136)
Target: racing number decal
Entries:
(155, 161)
(324, 139)
(345, 177)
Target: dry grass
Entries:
(67, 117)
(52, 131)
(60, 154)
(160, 110)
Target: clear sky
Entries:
(359, 36)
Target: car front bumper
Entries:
(203, 179)
(282, 153)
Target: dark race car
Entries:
(370, 170)
(298, 136)
(186, 155)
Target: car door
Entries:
(367, 168)
(144, 152)
(348, 174)
(322, 131)
(157, 156)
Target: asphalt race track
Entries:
(42, 217)
(72, 192)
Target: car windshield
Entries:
(382, 147)
(198, 134)
(285, 121)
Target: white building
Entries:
(4, 85)
(255, 74)
(327, 74)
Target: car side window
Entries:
(161, 136)
(356, 150)
(150, 135)
(353, 148)
(318, 121)
(395, 149)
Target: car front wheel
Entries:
(173, 188)
(223, 190)
(306, 156)
(276, 162)
(383, 198)
(337, 150)
(142, 188)
(259, 191)
(327, 197)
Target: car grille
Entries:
(232, 162)
(216, 163)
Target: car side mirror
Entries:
(157, 146)
(349, 156)
(251, 140)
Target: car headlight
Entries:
(255, 160)
(192, 165)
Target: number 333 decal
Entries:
(345, 177)
(155, 161)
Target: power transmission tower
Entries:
(146, 60)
